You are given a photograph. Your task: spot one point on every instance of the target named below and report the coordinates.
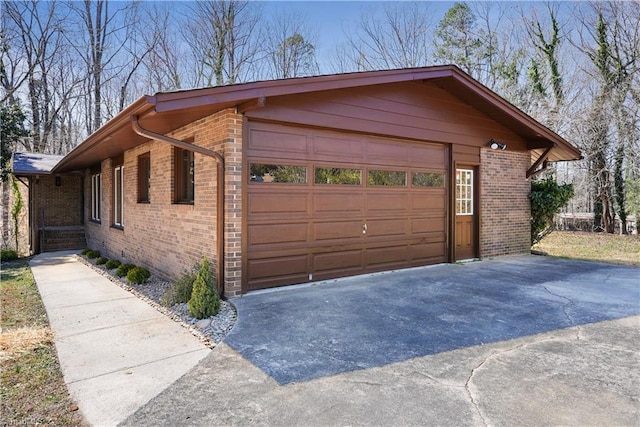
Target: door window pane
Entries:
(464, 192)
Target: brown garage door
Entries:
(325, 204)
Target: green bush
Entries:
(123, 269)
(85, 251)
(93, 254)
(180, 291)
(8, 255)
(102, 260)
(138, 275)
(112, 263)
(204, 301)
(547, 198)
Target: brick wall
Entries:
(58, 205)
(165, 237)
(505, 207)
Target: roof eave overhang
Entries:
(197, 103)
(76, 158)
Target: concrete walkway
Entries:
(116, 351)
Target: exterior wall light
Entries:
(497, 145)
(58, 181)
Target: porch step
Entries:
(62, 238)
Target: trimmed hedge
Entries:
(111, 264)
(102, 260)
(138, 275)
(93, 254)
(123, 269)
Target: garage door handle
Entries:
(364, 228)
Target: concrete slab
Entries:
(116, 352)
(367, 321)
(552, 378)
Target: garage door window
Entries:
(285, 174)
(464, 192)
(387, 178)
(423, 179)
(338, 176)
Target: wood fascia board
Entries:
(103, 134)
(248, 91)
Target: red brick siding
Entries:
(505, 207)
(165, 237)
(61, 205)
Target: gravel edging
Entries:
(209, 331)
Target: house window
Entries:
(464, 192)
(184, 176)
(144, 177)
(118, 196)
(96, 193)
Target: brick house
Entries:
(306, 179)
(52, 216)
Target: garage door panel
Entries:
(428, 252)
(386, 256)
(387, 227)
(337, 230)
(276, 143)
(387, 153)
(338, 203)
(427, 201)
(427, 225)
(337, 261)
(387, 203)
(273, 271)
(270, 203)
(335, 147)
(277, 234)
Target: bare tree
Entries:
(289, 45)
(224, 38)
(400, 38)
(100, 39)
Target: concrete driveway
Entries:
(515, 341)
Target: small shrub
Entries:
(102, 260)
(111, 264)
(138, 275)
(204, 301)
(8, 255)
(85, 251)
(93, 254)
(123, 269)
(180, 291)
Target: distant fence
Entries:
(584, 222)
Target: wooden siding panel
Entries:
(406, 110)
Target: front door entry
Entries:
(466, 223)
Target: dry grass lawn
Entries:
(602, 247)
(32, 390)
